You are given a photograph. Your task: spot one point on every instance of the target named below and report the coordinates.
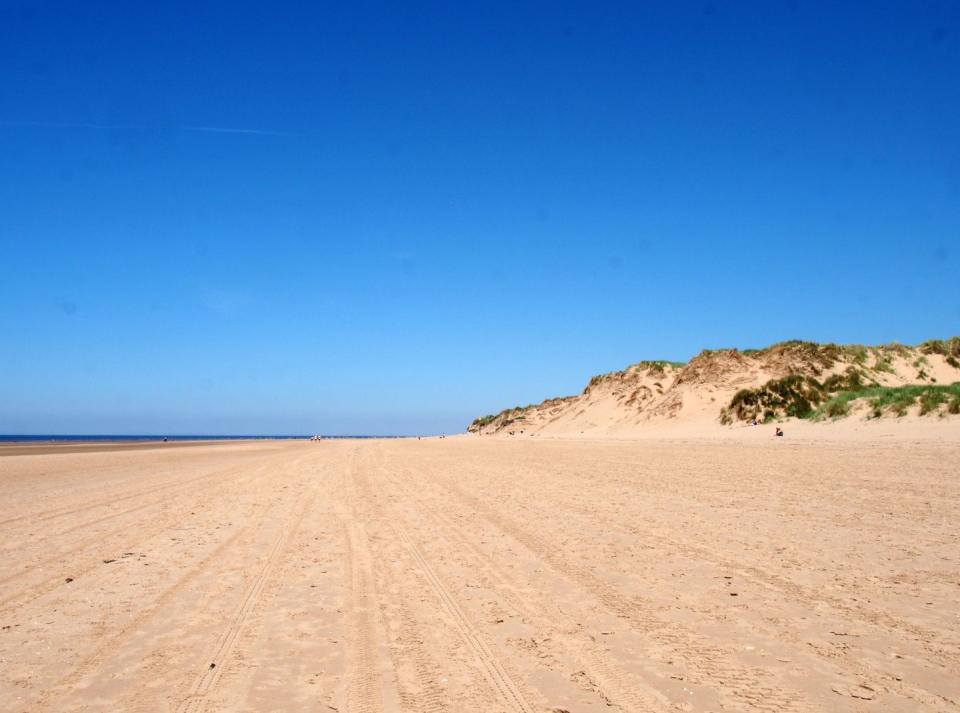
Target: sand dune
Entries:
(700, 396)
(472, 574)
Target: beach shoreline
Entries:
(53, 446)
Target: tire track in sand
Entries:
(744, 685)
(21, 598)
(429, 695)
(939, 655)
(198, 698)
(364, 674)
(499, 679)
(411, 657)
(501, 682)
(929, 639)
(95, 661)
(124, 496)
(364, 694)
(610, 682)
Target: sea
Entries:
(124, 438)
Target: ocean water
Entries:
(69, 438)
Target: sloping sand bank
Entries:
(727, 386)
(483, 574)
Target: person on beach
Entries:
(779, 431)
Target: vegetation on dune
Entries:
(793, 395)
(660, 365)
(893, 399)
(805, 393)
(711, 352)
(599, 379)
(851, 380)
(857, 354)
(506, 417)
(896, 348)
(883, 362)
(824, 356)
(483, 420)
(819, 355)
(947, 348)
(801, 396)
(804, 397)
(490, 418)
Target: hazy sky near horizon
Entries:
(301, 217)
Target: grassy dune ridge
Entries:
(791, 379)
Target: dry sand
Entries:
(483, 574)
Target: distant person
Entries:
(779, 432)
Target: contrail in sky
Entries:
(223, 130)
(141, 127)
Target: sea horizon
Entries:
(108, 437)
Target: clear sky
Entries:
(367, 218)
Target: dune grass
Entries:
(804, 397)
(483, 420)
(945, 347)
(892, 399)
(793, 395)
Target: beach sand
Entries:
(484, 574)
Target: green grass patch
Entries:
(930, 400)
(804, 397)
(892, 399)
(836, 408)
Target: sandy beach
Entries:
(482, 574)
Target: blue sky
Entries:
(289, 218)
